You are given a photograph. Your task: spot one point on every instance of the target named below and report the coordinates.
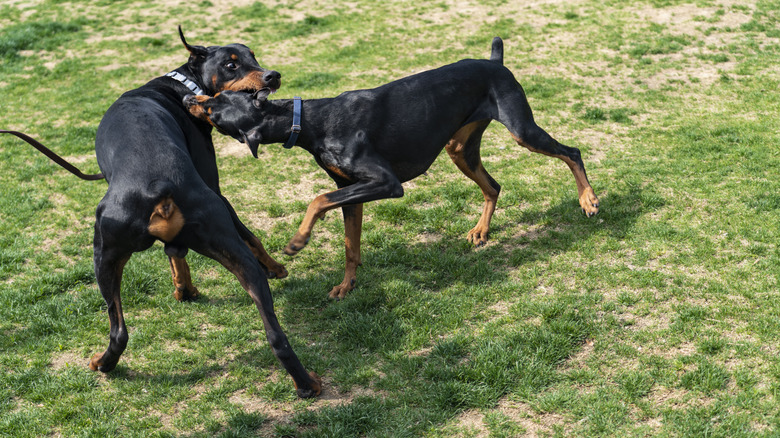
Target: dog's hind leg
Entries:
(463, 149)
(353, 226)
(536, 139)
(109, 264)
(515, 113)
(165, 223)
(219, 240)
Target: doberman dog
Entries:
(160, 166)
(370, 141)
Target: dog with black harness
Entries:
(370, 141)
(163, 184)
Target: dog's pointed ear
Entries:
(252, 138)
(260, 96)
(196, 51)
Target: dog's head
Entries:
(232, 67)
(239, 115)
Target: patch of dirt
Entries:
(428, 238)
(658, 321)
(472, 424)
(66, 359)
(686, 19)
(259, 220)
(160, 66)
(579, 358)
(306, 188)
(229, 147)
(535, 424)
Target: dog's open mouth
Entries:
(250, 90)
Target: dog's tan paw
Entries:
(589, 202)
(340, 292)
(186, 294)
(297, 243)
(314, 388)
(277, 271)
(478, 236)
(94, 363)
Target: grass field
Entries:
(658, 317)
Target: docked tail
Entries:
(54, 157)
(497, 50)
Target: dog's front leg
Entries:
(383, 185)
(182, 280)
(317, 208)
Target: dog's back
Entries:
(143, 133)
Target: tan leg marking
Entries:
(353, 225)
(182, 280)
(275, 269)
(456, 148)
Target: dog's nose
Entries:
(272, 78)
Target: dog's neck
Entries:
(277, 119)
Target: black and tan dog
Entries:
(370, 141)
(161, 169)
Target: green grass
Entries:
(658, 317)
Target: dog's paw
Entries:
(589, 202)
(186, 294)
(340, 292)
(96, 363)
(478, 236)
(277, 271)
(297, 243)
(314, 389)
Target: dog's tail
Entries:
(54, 157)
(497, 50)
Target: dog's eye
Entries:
(231, 65)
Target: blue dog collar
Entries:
(186, 81)
(296, 125)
